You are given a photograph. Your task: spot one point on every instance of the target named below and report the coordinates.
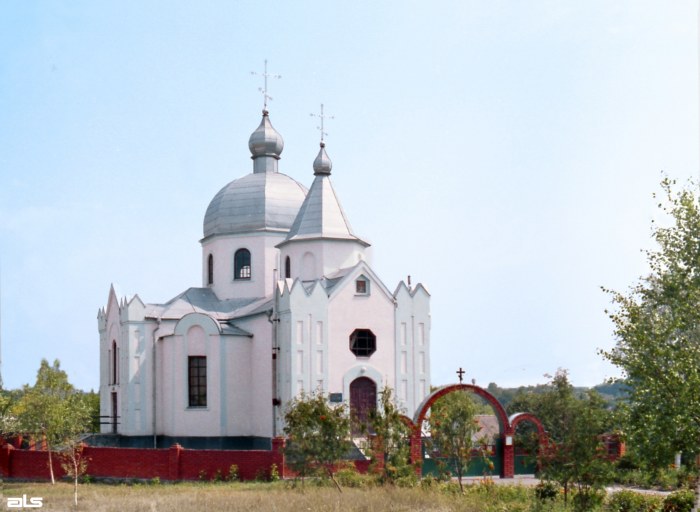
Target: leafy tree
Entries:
(318, 435)
(657, 326)
(391, 438)
(453, 425)
(575, 423)
(52, 409)
(78, 412)
(8, 420)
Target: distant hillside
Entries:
(611, 393)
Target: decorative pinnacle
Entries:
(263, 89)
(322, 117)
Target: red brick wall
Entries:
(174, 463)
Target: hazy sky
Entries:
(503, 153)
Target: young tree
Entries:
(318, 435)
(453, 426)
(391, 438)
(78, 411)
(52, 409)
(657, 326)
(575, 455)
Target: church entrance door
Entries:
(363, 398)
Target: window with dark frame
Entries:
(241, 264)
(115, 368)
(210, 269)
(363, 342)
(287, 268)
(197, 377)
(361, 286)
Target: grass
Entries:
(257, 497)
(284, 496)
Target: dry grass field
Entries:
(256, 497)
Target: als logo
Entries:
(25, 502)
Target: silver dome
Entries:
(322, 164)
(265, 140)
(267, 201)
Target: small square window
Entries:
(361, 287)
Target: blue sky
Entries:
(503, 153)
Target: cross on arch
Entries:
(263, 89)
(322, 116)
(460, 373)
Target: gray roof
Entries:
(321, 215)
(204, 300)
(266, 201)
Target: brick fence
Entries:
(174, 463)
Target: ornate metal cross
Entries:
(322, 117)
(263, 89)
(460, 374)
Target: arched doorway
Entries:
(363, 398)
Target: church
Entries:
(289, 303)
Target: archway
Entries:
(528, 441)
(502, 447)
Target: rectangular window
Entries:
(403, 333)
(197, 373)
(300, 332)
(319, 333)
(300, 361)
(421, 334)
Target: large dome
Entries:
(267, 201)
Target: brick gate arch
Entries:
(507, 424)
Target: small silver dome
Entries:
(322, 164)
(265, 140)
(256, 202)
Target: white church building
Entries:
(288, 303)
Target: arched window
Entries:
(210, 269)
(287, 268)
(114, 363)
(241, 264)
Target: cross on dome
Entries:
(263, 89)
(321, 116)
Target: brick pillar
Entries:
(417, 451)
(6, 460)
(174, 462)
(508, 470)
(278, 444)
(377, 453)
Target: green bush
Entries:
(546, 491)
(590, 499)
(233, 473)
(679, 501)
(429, 482)
(407, 481)
(630, 501)
(350, 477)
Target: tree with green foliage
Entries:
(453, 425)
(52, 409)
(390, 438)
(318, 435)
(576, 456)
(71, 450)
(657, 326)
